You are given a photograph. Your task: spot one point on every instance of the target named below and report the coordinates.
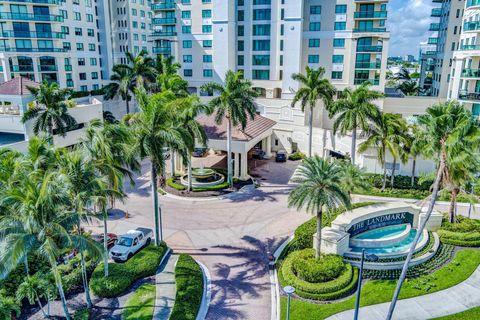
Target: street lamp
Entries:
(289, 290)
(371, 257)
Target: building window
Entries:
(187, 58)
(82, 76)
(314, 26)
(187, 44)
(314, 43)
(240, 60)
(207, 58)
(83, 88)
(91, 32)
(340, 26)
(94, 75)
(187, 72)
(186, 14)
(337, 75)
(207, 29)
(315, 9)
(313, 58)
(240, 45)
(77, 16)
(78, 31)
(206, 13)
(261, 60)
(261, 45)
(186, 29)
(81, 61)
(207, 73)
(91, 47)
(79, 46)
(341, 8)
(89, 17)
(207, 43)
(93, 61)
(339, 43)
(261, 29)
(240, 31)
(260, 74)
(337, 58)
(261, 14)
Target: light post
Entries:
(371, 257)
(289, 290)
(470, 205)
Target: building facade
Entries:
(446, 39)
(269, 40)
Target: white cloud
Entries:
(408, 23)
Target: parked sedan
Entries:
(281, 156)
(111, 239)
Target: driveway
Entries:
(230, 236)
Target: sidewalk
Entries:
(166, 289)
(463, 296)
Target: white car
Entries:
(130, 243)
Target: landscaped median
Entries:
(189, 285)
(379, 291)
(464, 233)
(122, 275)
(141, 304)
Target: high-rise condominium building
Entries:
(465, 81)
(72, 42)
(269, 40)
(445, 37)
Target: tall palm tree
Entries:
(173, 83)
(355, 110)
(382, 136)
(166, 65)
(33, 288)
(156, 128)
(353, 178)
(449, 130)
(319, 190)
(415, 144)
(235, 103)
(50, 110)
(141, 68)
(8, 306)
(313, 88)
(410, 88)
(119, 85)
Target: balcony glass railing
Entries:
(163, 6)
(370, 14)
(30, 17)
(369, 48)
(163, 34)
(20, 68)
(471, 26)
(32, 49)
(432, 40)
(367, 65)
(469, 96)
(374, 82)
(37, 1)
(370, 30)
(32, 34)
(436, 12)
(162, 49)
(46, 68)
(471, 73)
(473, 3)
(470, 47)
(164, 20)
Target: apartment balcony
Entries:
(163, 34)
(436, 12)
(471, 73)
(20, 68)
(47, 68)
(368, 65)
(162, 6)
(371, 15)
(11, 49)
(471, 26)
(374, 82)
(376, 1)
(162, 50)
(30, 17)
(472, 3)
(432, 40)
(470, 47)
(438, 1)
(369, 48)
(32, 35)
(52, 2)
(473, 96)
(434, 27)
(370, 30)
(164, 21)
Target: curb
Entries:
(207, 292)
(165, 257)
(274, 285)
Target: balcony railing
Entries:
(20, 68)
(434, 27)
(369, 48)
(370, 30)
(163, 6)
(46, 68)
(370, 14)
(432, 40)
(469, 96)
(374, 82)
(470, 47)
(32, 34)
(30, 17)
(32, 49)
(163, 34)
(473, 3)
(37, 1)
(164, 20)
(367, 65)
(471, 26)
(162, 50)
(436, 12)
(471, 73)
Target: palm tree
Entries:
(50, 110)
(416, 140)
(314, 88)
(166, 65)
(355, 110)
(449, 130)
(8, 306)
(119, 85)
(353, 178)
(410, 88)
(173, 83)
(33, 288)
(382, 136)
(319, 190)
(403, 74)
(235, 103)
(157, 127)
(402, 144)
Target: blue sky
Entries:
(408, 24)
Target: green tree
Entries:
(382, 136)
(50, 110)
(355, 110)
(119, 85)
(449, 130)
(8, 306)
(234, 102)
(33, 288)
(353, 178)
(157, 127)
(410, 88)
(166, 65)
(313, 88)
(319, 190)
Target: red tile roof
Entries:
(254, 128)
(17, 87)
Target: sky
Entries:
(409, 21)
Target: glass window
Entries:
(314, 26)
(337, 75)
(207, 43)
(315, 9)
(260, 74)
(261, 45)
(339, 43)
(206, 13)
(187, 43)
(207, 58)
(261, 60)
(207, 28)
(341, 8)
(340, 25)
(187, 58)
(207, 73)
(314, 43)
(261, 30)
(186, 14)
(313, 58)
(262, 14)
(187, 72)
(337, 58)
(240, 60)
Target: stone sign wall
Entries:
(381, 221)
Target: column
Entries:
(244, 166)
(236, 167)
(268, 149)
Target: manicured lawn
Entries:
(141, 303)
(465, 315)
(189, 284)
(379, 291)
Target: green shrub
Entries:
(82, 314)
(122, 275)
(399, 182)
(296, 156)
(304, 233)
(308, 268)
(463, 225)
(464, 233)
(172, 184)
(220, 186)
(189, 283)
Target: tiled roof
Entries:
(254, 128)
(17, 87)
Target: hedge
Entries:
(350, 288)
(464, 233)
(289, 277)
(399, 182)
(304, 233)
(189, 284)
(122, 275)
(296, 156)
(172, 184)
(180, 187)
(82, 314)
